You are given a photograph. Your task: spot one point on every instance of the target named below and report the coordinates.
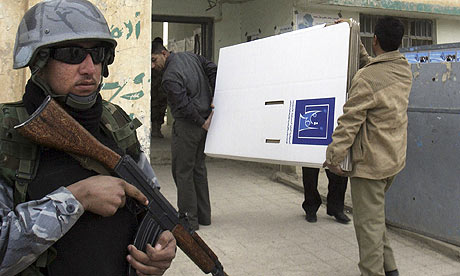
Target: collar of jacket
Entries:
(168, 59)
(387, 56)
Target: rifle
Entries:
(51, 126)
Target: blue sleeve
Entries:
(32, 227)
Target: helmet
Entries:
(52, 22)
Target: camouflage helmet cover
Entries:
(51, 22)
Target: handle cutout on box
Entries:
(274, 102)
(272, 141)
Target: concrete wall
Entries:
(447, 31)
(267, 16)
(273, 17)
(449, 7)
(178, 31)
(12, 80)
(129, 82)
(227, 18)
(157, 29)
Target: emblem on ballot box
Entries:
(314, 121)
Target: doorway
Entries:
(182, 34)
(191, 34)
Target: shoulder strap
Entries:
(121, 127)
(18, 155)
(18, 165)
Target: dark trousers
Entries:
(189, 171)
(158, 104)
(336, 191)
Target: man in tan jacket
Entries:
(374, 125)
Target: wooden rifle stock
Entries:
(51, 126)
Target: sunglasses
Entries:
(76, 55)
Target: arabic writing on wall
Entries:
(131, 88)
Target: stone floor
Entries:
(258, 229)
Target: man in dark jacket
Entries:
(189, 81)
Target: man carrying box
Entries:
(374, 125)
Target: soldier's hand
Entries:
(103, 195)
(156, 260)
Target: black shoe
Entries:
(340, 217)
(392, 273)
(311, 217)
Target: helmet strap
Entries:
(40, 61)
(45, 87)
(72, 100)
(82, 102)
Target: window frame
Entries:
(417, 32)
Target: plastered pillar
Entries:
(13, 81)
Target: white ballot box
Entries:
(277, 99)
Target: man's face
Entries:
(158, 61)
(79, 79)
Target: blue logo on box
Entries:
(314, 121)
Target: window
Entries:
(417, 32)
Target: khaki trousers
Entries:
(368, 198)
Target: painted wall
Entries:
(447, 31)
(274, 17)
(178, 31)
(12, 80)
(227, 29)
(157, 29)
(129, 82)
(448, 7)
(267, 16)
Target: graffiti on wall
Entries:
(130, 29)
(127, 30)
(137, 80)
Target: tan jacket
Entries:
(374, 120)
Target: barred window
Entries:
(417, 32)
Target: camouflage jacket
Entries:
(32, 227)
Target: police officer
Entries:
(72, 220)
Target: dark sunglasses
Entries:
(76, 55)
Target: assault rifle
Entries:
(51, 126)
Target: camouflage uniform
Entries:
(32, 227)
